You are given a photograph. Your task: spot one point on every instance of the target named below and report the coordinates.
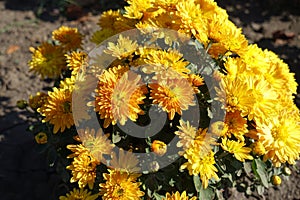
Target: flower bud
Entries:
(159, 147)
(287, 171)
(41, 138)
(218, 128)
(154, 166)
(276, 180)
(22, 104)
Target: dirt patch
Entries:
(24, 173)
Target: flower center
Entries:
(67, 107)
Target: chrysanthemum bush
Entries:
(164, 73)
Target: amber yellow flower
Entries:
(281, 139)
(193, 20)
(124, 47)
(159, 147)
(195, 81)
(97, 143)
(120, 185)
(82, 194)
(258, 148)
(173, 95)
(47, 60)
(38, 100)
(228, 38)
(124, 161)
(83, 166)
(237, 148)
(119, 95)
(58, 109)
(265, 98)
(137, 8)
(101, 35)
(75, 60)
(235, 94)
(69, 38)
(190, 137)
(41, 138)
(165, 64)
(178, 196)
(200, 163)
(235, 125)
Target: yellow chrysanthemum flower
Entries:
(120, 185)
(281, 139)
(38, 100)
(47, 60)
(82, 194)
(189, 136)
(227, 38)
(125, 161)
(69, 38)
(235, 94)
(165, 64)
(195, 81)
(193, 20)
(258, 148)
(83, 166)
(101, 35)
(173, 95)
(124, 47)
(235, 125)
(137, 8)
(118, 96)
(237, 148)
(75, 61)
(200, 163)
(264, 96)
(58, 109)
(96, 142)
(115, 21)
(279, 75)
(178, 196)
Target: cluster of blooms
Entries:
(254, 86)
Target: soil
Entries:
(24, 173)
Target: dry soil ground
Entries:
(24, 174)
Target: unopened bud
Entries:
(276, 180)
(22, 104)
(159, 147)
(287, 171)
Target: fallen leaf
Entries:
(11, 49)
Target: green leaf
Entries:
(116, 138)
(206, 194)
(260, 190)
(247, 168)
(197, 183)
(261, 172)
